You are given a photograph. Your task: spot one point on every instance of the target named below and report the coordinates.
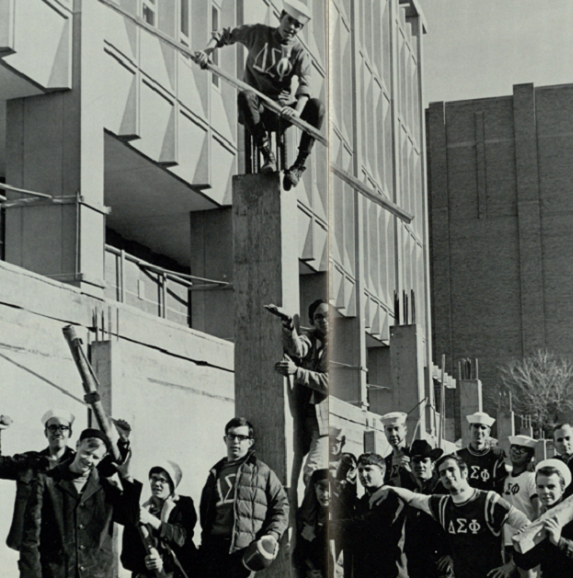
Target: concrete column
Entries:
(379, 377)
(54, 145)
(265, 271)
(407, 371)
(529, 218)
(212, 258)
(470, 402)
(505, 427)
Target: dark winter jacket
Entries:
(175, 536)
(24, 469)
(260, 503)
(69, 535)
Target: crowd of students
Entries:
(429, 515)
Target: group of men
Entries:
(429, 515)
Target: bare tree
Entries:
(540, 385)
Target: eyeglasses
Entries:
(58, 428)
(155, 478)
(519, 449)
(239, 437)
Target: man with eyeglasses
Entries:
(24, 468)
(274, 57)
(310, 373)
(242, 502)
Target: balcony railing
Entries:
(157, 291)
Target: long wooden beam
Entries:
(230, 79)
(371, 194)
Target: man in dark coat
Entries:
(242, 501)
(68, 523)
(376, 534)
(24, 468)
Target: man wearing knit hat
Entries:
(486, 464)
(68, 525)
(170, 519)
(275, 56)
(24, 468)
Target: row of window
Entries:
(150, 13)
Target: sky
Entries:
(481, 48)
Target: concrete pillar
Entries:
(265, 271)
(470, 402)
(505, 423)
(407, 371)
(212, 258)
(529, 218)
(544, 450)
(54, 145)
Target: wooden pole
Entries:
(371, 194)
(442, 403)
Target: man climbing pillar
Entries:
(275, 56)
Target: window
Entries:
(215, 25)
(184, 22)
(149, 12)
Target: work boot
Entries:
(293, 176)
(270, 162)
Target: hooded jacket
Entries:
(260, 503)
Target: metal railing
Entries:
(151, 288)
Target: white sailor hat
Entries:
(523, 441)
(560, 466)
(173, 471)
(297, 10)
(62, 414)
(480, 417)
(394, 418)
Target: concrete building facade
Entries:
(501, 228)
(145, 239)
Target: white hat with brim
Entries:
(480, 417)
(523, 441)
(560, 466)
(394, 418)
(173, 471)
(297, 10)
(61, 414)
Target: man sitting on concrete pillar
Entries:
(398, 466)
(275, 56)
(486, 464)
(310, 373)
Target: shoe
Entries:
(270, 164)
(292, 177)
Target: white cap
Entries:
(172, 469)
(523, 441)
(62, 414)
(297, 10)
(394, 418)
(480, 417)
(560, 466)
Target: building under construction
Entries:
(133, 227)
